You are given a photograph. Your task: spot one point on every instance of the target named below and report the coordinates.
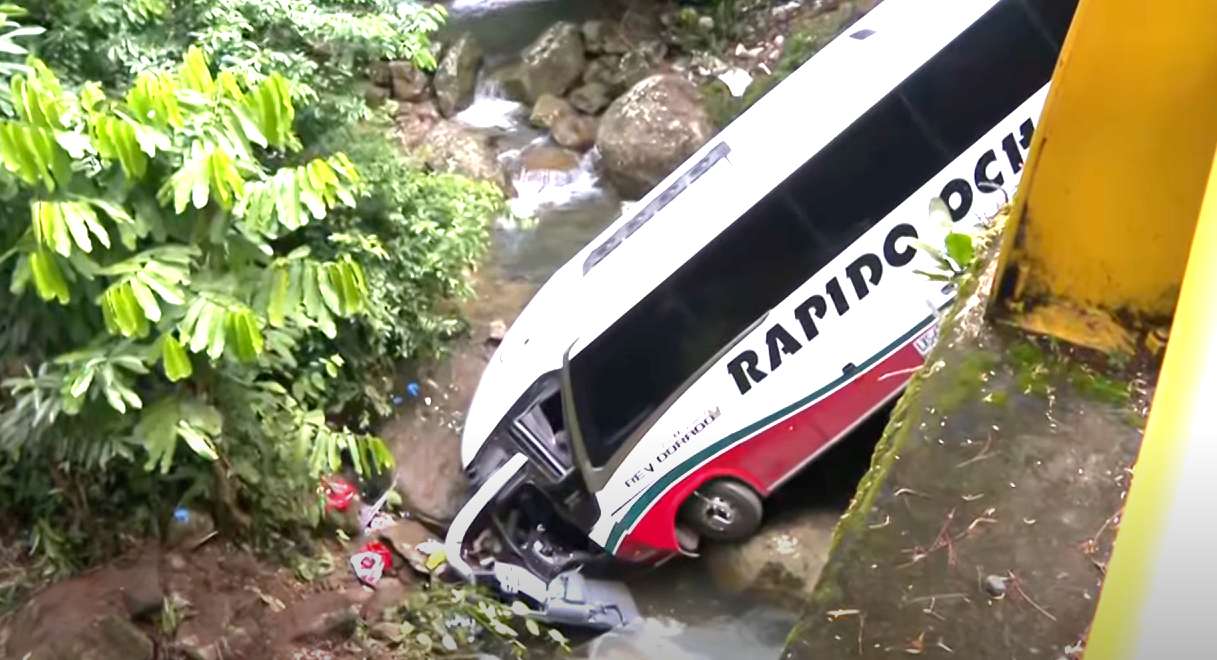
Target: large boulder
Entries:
(781, 563)
(446, 146)
(407, 82)
(649, 131)
(554, 62)
(456, 78)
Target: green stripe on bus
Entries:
(655, 490)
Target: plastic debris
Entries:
(339, 494)
(413, 390)
(371, 562)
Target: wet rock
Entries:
(509, 82)
(389, 593)
(594, 33)
(548, 110)
(456, 77)
(618, 72)
(407, 82)
(546, 158)
(576, 132)
(554, 62)
(446, 146)
(649, 131)
(497, 331)
(781, 563)
(321, 617)
(590, 98)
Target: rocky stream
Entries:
(564, 103)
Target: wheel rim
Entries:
(718, 513)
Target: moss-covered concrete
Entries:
(983, 526)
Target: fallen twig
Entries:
(984, 453)
(1019, 588)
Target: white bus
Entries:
(760, 302)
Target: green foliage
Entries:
(320, 46)
(715, 24)
(150, 220)
(417, 237)
(958, 252)
(447, 619)
(211, 249)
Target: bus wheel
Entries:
(723, 510)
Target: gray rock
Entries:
(322, 617)
(995, 586)
(497, 331)
(549, 109)
(594, 33)
(554, 62)
(407, 82)
(456, 77)
(142, 595)
(618, 72)
(576, 132)
(446, 146)
(781, 563)
(649, 131)
(590, 98)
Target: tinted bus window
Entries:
(868, 170)
(985, 73)
(636, 365)
(1053, 17)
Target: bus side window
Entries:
(863, 174)
(990, 69)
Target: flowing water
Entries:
(687, 617)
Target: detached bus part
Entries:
(757, 305)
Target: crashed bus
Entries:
(752, 309)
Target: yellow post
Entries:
(1156, 600)
(1105, 213)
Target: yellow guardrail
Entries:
(1155, 602)
(1103, 220)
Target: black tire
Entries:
(723, 510)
